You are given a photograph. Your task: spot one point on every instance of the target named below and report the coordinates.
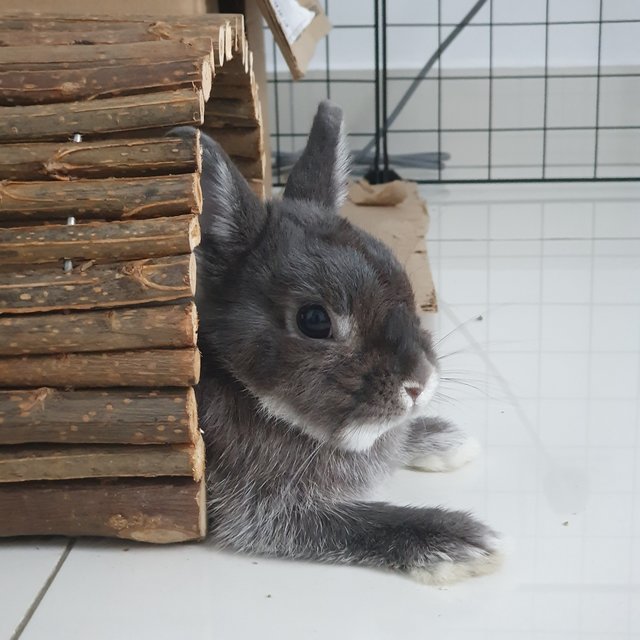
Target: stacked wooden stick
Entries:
(98, 223)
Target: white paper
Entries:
(292, 17)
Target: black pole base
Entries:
(381, 176)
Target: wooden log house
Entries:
(98, 224)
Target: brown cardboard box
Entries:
(297, 53)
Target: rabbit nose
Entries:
(414, 391)
(416, 383)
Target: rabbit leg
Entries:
(432, 545)
(437, 445)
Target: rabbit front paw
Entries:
(470, 549)
(459, 452)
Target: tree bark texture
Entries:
(25, 463)
(159, 510)
(147, 327)
(94, 286)
(100, 241)
(101, 158)
(108, 198)
(151, 368)
(225, 32)
(111, 416)
(44, 74)
(98, 117)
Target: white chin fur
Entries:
(363, 437)
(281, 411)
(448, 459)
(354, 438)
(448, 571)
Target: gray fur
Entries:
(280, 411)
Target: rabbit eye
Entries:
(314, 321)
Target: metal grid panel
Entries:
(571, 113)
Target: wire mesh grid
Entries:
(489, 90)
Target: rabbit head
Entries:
(313, 316)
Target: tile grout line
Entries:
(487, 412)
(43, 591)
(635, 487)
(554, 239)
(589, 382)
(540, 317)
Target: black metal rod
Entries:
(327, 58)
(530, 23)
(383, 122)
(598, 77)
(439, 78)
(490, 136)
(496, 78)
(276, 103)
(376, 41)
(546, 91)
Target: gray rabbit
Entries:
(316, 377)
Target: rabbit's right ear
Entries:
(232, 215)
(321, 173)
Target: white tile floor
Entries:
(554, 273)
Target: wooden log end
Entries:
(197, 151)
(198, 457)
(199, 116)
(201, 503)
(196, 367)
(192, 274)
(247, 57)
(196, 193)
(229, 40)
(191, 314)
(191, 410)
(194, 233)
(207, 78)
(221, 53)
(154, 532)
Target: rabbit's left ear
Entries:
(232, 215)
(321, 173)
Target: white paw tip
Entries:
(449, 572)
(450, 459)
